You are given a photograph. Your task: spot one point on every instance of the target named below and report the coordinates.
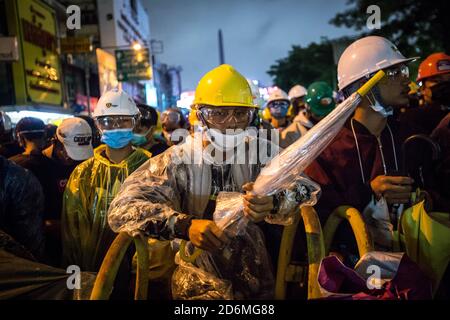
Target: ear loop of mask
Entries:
(377, 103)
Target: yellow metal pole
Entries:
(316, 249)
(141, 291)
(353, 216)
(104, 282)
(284, 258)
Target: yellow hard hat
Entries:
(193, 119)
(266, 114)
(224, 87)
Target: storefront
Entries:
(37, 73)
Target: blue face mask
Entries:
(139, 139)
(278, 112)
(118, 138)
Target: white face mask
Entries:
(377, 107)
(384, 111)
(228, 141)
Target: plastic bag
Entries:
(376, 216)
(192, 283)
(244, 262)
(377, 276)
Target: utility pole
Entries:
(221, 53)
(87, 73)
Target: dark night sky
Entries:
(256, 32)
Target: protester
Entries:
(319, 103)
(361, 166)
(144, 133)
(21, 205)
(9, 147)
(96, 136)
(94, 183)
(277, 106)
(434, 90)
(31, 133)
(50, 134)
(171, 120)
(71, 146)
(167, 199)
(297, 96)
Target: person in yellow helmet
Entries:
(173, 196)
(94, 183)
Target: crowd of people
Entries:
(66, 191)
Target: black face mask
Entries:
(440, 93)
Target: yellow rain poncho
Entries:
(91, 188)
(426, 237)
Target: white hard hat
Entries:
(297, 91)
(76, 136)
(277, 94)
(115, 103)
(366, 56)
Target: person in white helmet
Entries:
(297, 96)
(277, 108)
(94, 183)
(361, 166)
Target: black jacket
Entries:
(21, 205)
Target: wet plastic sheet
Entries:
(21, 277)
(286, 167)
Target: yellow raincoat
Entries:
(91, 188)
(426, 237)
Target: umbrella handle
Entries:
(372, 82)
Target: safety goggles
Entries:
(397, 72)
(170, 116)
(217, 115)
(279, 105)
(115, 122)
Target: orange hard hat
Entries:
(433, 65)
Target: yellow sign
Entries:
(107, 73)
(76, 45)
(39, 64)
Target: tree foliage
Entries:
(304, 65)
(418, 28)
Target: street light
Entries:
(137, 46)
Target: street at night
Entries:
(245, 155)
